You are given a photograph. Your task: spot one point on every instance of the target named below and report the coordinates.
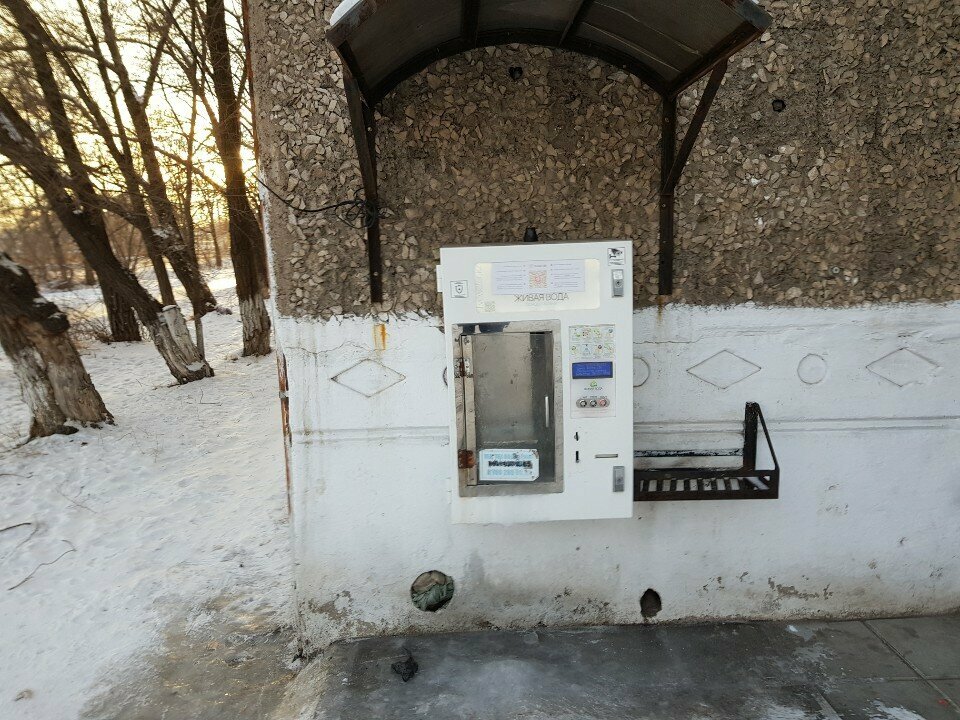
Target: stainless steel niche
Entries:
(509, 404)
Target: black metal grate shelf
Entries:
(732, 483)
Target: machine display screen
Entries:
(590, 370)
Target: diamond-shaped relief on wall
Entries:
(368, 377)
(903, 367)
(724, 369)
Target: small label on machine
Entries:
(509, 465)
(592, 342)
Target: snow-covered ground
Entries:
(144, 566)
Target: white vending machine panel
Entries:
(539, 369)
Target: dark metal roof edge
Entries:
(337, 34)
(359, 13)
(755, 22)
(736, 41)
(751, 12)
(542, 38)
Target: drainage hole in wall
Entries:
(431, 590)
(650, 603)
(779, 105)
(516, 72)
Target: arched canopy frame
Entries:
(667, 44)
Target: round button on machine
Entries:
(582, 402)
(603, 402)
(593, 403)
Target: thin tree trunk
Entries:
(125, 233)
(191, 233)
(123, 321)
(198, 334)
(163, 277)
(63, 270)
(246, 236)
(33, 333)
(143, 224)
(217, 256)
(58, 257)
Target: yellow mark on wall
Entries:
(662, 301)
(380, 336)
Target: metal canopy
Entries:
(667, 44)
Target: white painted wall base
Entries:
(863, 405)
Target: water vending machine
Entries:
(539, 341)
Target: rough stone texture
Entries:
(851, 194)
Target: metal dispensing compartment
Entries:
(539, 343)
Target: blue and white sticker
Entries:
(509, 465)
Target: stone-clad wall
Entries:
(849, 195)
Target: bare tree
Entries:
(94, 74)
(247, 247)
(161, 233)
(78, 204)
(169, 234)
(204, 59)
(33, 334)
(123, 323)
(78, 207)
(112, 131)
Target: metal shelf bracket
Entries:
(711, 483)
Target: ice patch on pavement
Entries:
(883, 712)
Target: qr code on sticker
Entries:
(538, 279)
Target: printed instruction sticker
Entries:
(549, 276)
(537, 286)
(509, 465)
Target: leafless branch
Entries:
(33, 572)
(186, 164)
(14, 527)
(72, 501)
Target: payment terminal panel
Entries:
(592, 360)
(539, 341)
